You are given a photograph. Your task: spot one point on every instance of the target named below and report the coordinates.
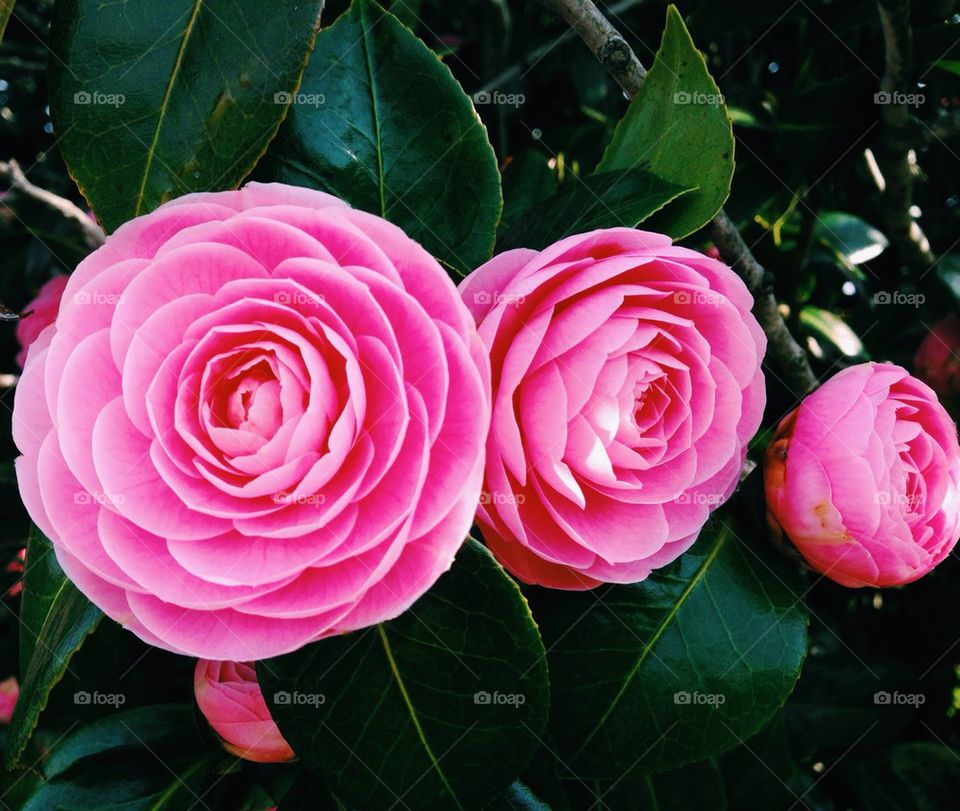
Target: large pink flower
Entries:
(258, 420)
(627, 384)
(864, 477)
(229, 696)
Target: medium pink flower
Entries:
(43, 311)
(9, 693)
(229, 697)
(864, 477)
(627, 383)
(937, 362)
(258, 420)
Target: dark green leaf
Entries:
(382, 123)
(674, 669)
(677, 127)
(153, 100)
(309, 794)
(149, 758)
(439, 708)
(527, 180)
(922, 776)
(849, 239)
(64, 618)
(606, 200)
(697, 786)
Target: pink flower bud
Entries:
(9, 693)
(864, 477)
(229, 697)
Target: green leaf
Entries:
(439, 708)
(605, 200)
(309, 794)
(830, 330)
(154, 100)
(920, 776)
(677, 127)
(164, 760)
(851, 240)
(6, 9)
(42, 580)
(60, 618)
(528, 179)
(949, 65)
(695, 786)
(674, 669)
(382, 123)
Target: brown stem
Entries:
(13, 178)
(895, 159)
(623, 65)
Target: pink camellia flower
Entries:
(9, 693)
(229, 697)
(627, 383)
(43, 311)
(937, 362)
(258, 420)
(864, 477)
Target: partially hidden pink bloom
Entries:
(43, 311)
(258, 420)
(937, 361)
(9, 693)
(230, 698)
(15, 566)
(627, 384)
(864, 477)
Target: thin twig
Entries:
(623, 65)
(895, 158)
(13, 179)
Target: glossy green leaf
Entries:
(606, 200)
(153, 758)
(674, 669)
(831, 331)
(154, 100)
(439, 708)
(850, 239)
(382, 123)
(677, 127)
(59, 618)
